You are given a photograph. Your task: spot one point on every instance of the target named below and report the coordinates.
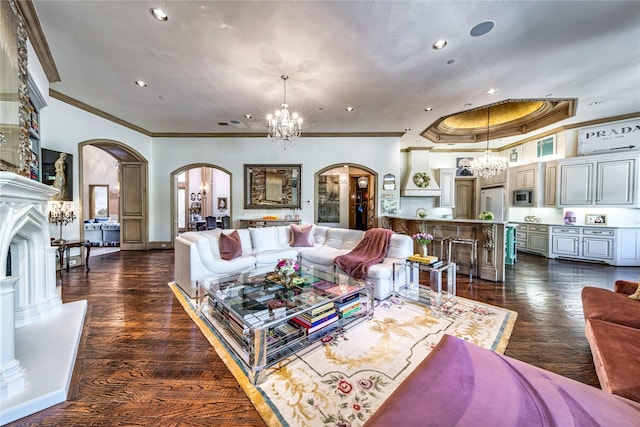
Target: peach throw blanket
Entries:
(370, 250)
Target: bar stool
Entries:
(443, 243)
(473, 255)
(439, 239)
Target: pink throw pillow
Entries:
(230, 245)
(302, 235)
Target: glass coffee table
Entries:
(442, 282)
(263, 321)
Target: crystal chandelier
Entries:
(488, 166)
(284, 128)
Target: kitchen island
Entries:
(490, 235)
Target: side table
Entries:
(64, 246)
(409, 286)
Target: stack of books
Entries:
(348, 305)
(317, 318)
(431, 260)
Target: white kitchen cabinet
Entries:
(576, 184)
(533, 238)
(599, 180)
(583, 243)
(615, 184)
(627, 250)
(447, 187)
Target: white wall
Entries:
(380, 154)
(63, 127)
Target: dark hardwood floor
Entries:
(142, 361)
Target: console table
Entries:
(64, 246)
(255, 223)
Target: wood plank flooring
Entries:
(142, 361)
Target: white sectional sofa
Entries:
(197, 254)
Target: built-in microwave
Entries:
(522, 197)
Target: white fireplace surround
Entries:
(39, 335)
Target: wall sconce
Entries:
(363, 182)
(203, 189)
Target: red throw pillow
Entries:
(230, 245)
(302, 235)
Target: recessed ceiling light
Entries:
(428, 109)
(439, 44)
(407, 129)
(247, 116)
(482, 28)
(320, 108)
(161, 98)
(235, 122)
(492, 91)
(349, 109)
(451, 61)
(141, 83)
(596, 103)
(159, 14)
(468, 104)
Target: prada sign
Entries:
(610, 138)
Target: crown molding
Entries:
(39, 42)
(81, 105)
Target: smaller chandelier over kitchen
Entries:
(488, 166)
(284, 128)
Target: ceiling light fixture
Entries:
(349, 109)
(284, 128)
(492, 91)
(428, 109)
(141, 83)
(159, 14)
(363, 182)
(488, 166)
(440, 44)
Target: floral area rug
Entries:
(346, 377)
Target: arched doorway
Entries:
(345, 196)
(201, 189)
(131, 192)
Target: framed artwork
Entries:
(272, 186)
(515, 154)
(546, 146)
(595, 219)
(222, 203)
(389, 182)
(463, 166)
(57, 171)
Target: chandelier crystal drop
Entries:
(488, 166)
(284, 128)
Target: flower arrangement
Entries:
(422, 238)
(287, 266)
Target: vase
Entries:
(286, 279)
(424, 250)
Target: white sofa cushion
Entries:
(264, 239)
(342, 238)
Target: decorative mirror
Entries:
(99, 201)
(389, 182)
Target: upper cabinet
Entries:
(495, 180)
(447, 185)
(551, 184)
(600, 180)
(529, 177)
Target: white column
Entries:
(12, 374)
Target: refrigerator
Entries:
(493, 200)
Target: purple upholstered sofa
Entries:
(461, 384)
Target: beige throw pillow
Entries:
(636, 294)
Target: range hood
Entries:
(419, 180)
